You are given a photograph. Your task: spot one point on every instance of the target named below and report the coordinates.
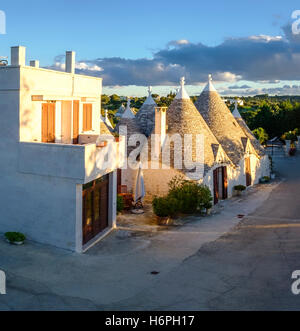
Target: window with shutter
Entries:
(87, 117)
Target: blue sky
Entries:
(139, 30)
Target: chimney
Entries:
(35, 63)
(70, 62)
(160, 123)
(18, 56)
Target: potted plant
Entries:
(239, 189)
(120, 203)
(265, 179)
(297, 134)
(208, 208)
(102, 144)
(15, 238)
(117, 137)
(292, 151)
(289, 138)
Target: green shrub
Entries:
(120, 203)
(240, 188)
(165, 206)
(186, 197)
(15, 236)
(190, 195)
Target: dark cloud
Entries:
(284, 90)
(256, 58)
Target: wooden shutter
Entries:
(44, 123)
(87, 117)
(75, 122)
(48, 123)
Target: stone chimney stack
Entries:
(160, 123)
(35, 63)
(70, 62)
(18, 56)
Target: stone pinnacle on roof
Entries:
(129, 121)
(128, 112)
(149, 100)
(236, 112)
(146, 114)
(182, 94)
(209, 86)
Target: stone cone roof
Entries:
(146, 115)
(131, 124)
(129, 121)
(120, 111)
(221, 122)
(248, 133)
(104, 129)
(184, 118)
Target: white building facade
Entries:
(58, 186)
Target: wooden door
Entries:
(225, 183)
(95, 209)
(75, 122)
(87, 117)
(48, 123)
(216, 186)
(87, 216)
(248, 171)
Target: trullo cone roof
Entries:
(221, 122)
(184, 118)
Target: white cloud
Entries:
(178, 43)
(266, 38)
(88, 66)
(226, 77)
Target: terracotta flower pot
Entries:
(102, 144)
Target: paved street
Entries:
(215, 263)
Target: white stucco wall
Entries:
(156, 181)
(41, 184)
(38, 86)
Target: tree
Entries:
(261, 135)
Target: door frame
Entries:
(216, 172)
